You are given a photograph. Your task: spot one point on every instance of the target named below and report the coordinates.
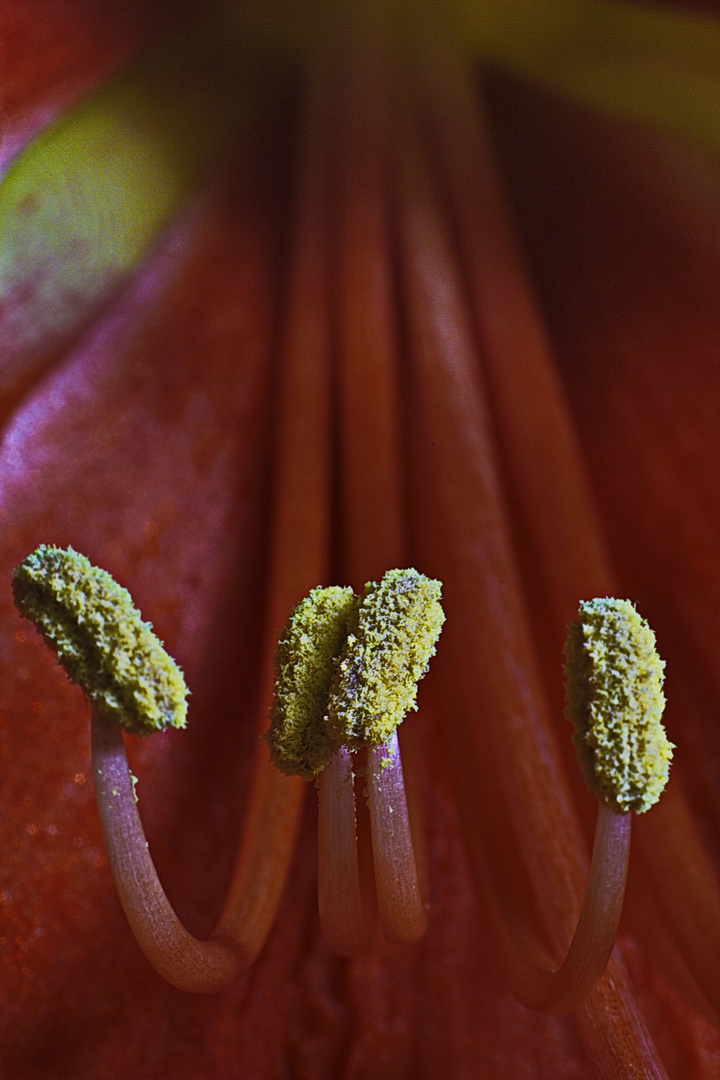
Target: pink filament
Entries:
(402, 911)
(518, 801)
(530, 974)
(339, 898)
(374, 526)
(201, 967)
(299, 560)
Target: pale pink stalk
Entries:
(339, 900)
(402, 911)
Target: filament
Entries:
(300, 551)
(538, 984)
(402, 911)
(487, 613)
(196, 966)
(339, 897)
(541, 455)
(299, 559)
(373, 511)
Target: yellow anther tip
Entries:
(101, 640)
(299, 742)
(615, 700)
(392, 634)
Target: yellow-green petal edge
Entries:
(81, 205)
(643, 62)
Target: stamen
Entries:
(392, 634)
(347, 674)
(527, 966)
(301, 744)
(523, 794)
(299, 559)
(374, 527)
(557, 521)
(615, 700)
(105, 646)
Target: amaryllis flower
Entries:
(294, 298)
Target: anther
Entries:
(615, 700)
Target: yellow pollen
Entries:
(615, 700)
(346, 668)
(393, 630)
(101, 640)
(298, 738)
